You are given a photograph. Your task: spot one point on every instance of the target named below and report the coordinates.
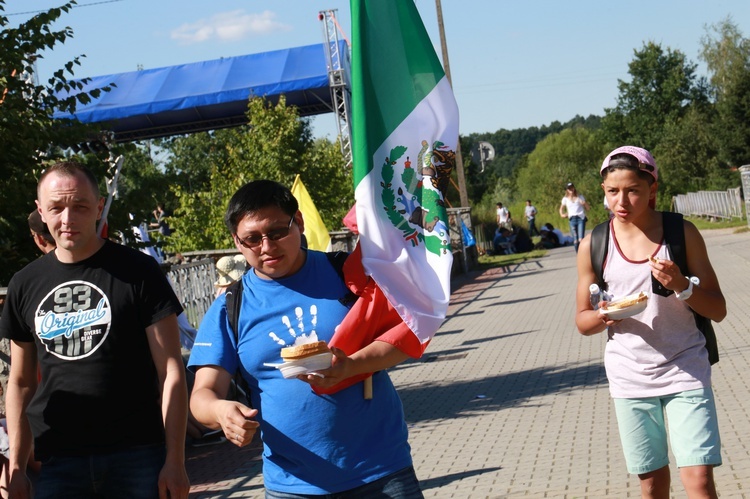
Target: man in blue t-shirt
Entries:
(313, 444)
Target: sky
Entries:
(513, 64)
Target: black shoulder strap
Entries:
(234, 299)
(674, 238)
(337, 259)
(599, 247)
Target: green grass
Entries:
(706, 224)
(490, 261)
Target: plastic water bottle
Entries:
(595, 295)
(598, 295)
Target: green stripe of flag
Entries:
(394, 67)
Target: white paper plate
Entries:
(308, 365)
(624, 313)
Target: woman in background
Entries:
(574, 208)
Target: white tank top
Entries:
(659, 351)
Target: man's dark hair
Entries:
(70, 169)
(255, 196)
(37, 226)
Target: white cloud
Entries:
(228, 27)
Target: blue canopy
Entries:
(208, 95)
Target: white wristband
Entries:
(687, 293)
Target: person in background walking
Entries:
(574, 207)
(530, 212)
(503, 217)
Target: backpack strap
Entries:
(233, 296)
(337, 259)
(599, 247)
(674, 238)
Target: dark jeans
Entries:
(533, 231)
(402, 484)
(128, 474)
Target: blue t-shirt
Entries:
(312, 444)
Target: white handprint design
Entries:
(300, 337)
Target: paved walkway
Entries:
(509, 400)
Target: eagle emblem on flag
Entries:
(415, 201)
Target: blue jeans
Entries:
(577, 230)
(402, 484)
(127, 474)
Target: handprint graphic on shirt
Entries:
(299, 336)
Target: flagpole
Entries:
(447, 67)
(367, 388)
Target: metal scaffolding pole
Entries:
(338, 82)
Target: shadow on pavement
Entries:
(494, 393)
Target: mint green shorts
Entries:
(693, 430)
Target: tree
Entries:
(28, 133)
(572, 155)
(727, 55)
(663, 86)
(275, 145)
(686, 156)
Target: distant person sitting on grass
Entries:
(563, 239)
(521, 240)
(548, 239)
(502, 243)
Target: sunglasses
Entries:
(254, 240)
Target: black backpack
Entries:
(674, 237)
(234, 297)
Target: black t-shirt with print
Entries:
(99, 387)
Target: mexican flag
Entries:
(404, 138)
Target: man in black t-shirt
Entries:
(108, 412)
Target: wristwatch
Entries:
(688, 292)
